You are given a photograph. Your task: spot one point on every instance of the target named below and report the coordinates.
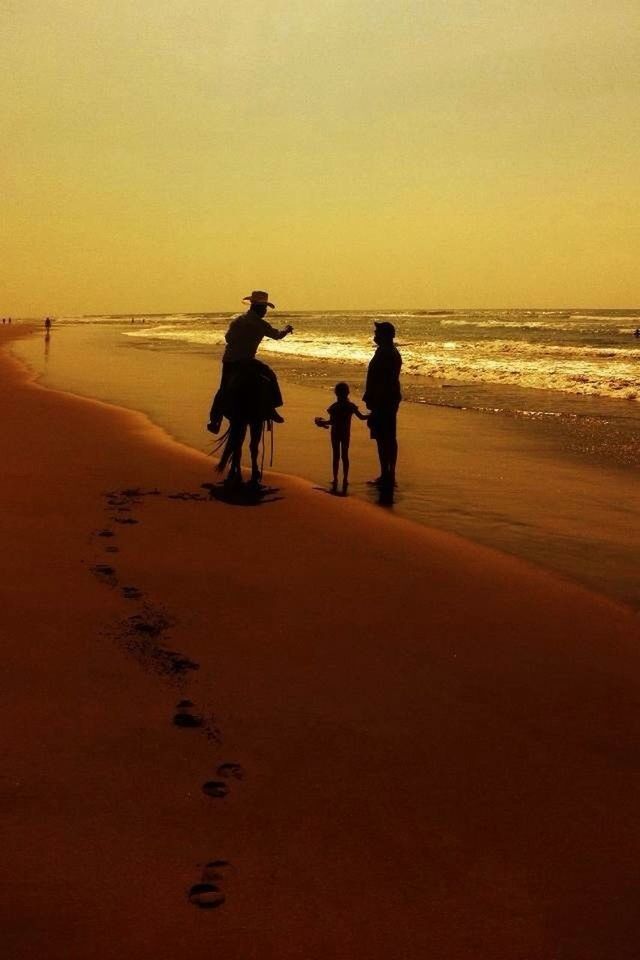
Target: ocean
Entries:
(520, 428)
(582, 353)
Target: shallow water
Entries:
(511, 482)
(578, 372)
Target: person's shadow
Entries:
(242, 494)
(386, 496)
(383, 495)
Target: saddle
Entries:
(247, 394)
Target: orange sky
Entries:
(171, 155)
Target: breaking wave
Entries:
(581, 353)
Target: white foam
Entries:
(585, 368)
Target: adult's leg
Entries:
(374, 430)
(392, 444)
(216, 414)
(388, 454)
(273, 387)
(393, 456)
(386, 436)
(382, 457)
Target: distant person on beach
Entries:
(637, 333)
(244, 336)
(382, 396)
(340, 416)
(47, 324)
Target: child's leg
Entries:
(345, 462)
(335, 447)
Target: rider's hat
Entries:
(258, 296)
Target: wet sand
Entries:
(346, 735)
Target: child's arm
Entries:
(319, 422)
(360, 416)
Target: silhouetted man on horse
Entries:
(244, 336)
(249, 393)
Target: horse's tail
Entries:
(224, 444)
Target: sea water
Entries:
(580, 368)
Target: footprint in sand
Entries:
(184, 717)
(215, 788)
(105, 573)
(176, 663)
(131, 593)
(142, 636)
(124, 498)
(106, 533)
(111, 550)
(134, 493)
(230, 770)
(125, 520)
(207, 894)
(149, 625)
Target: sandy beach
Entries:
(304, 729)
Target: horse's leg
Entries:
(237, 435)
(255, 429)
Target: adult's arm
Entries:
(274, 334)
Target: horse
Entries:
(247, 405)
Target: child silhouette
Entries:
(340, 414)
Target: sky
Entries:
(171, 156)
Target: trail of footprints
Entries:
(206, 894)
(142, 635)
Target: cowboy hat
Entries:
(258, 296)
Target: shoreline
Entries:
(147, 427)
(506, 484)
(428, 732)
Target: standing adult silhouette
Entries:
(382, 396)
